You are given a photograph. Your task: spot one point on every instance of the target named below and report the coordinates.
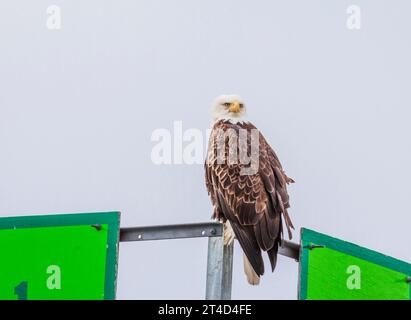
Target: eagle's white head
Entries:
(229, 107)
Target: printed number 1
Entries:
(21, 290)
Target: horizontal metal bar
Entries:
(193, 230)
(290, 249)
(176, 231)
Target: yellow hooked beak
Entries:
(235, 107)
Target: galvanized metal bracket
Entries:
(219, 258)
(175, 231)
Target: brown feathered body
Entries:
(254, 204)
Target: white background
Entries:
(78, 107)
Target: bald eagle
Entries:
(252, 204)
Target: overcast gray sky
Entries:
(78, 106)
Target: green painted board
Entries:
(59, 257)
(332, 269)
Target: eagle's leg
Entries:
(229, 235)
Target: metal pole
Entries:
(228, 255)
(219, 258)
(219, 269)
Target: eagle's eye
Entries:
(241, 105)
(226, 104)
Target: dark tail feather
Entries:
(272, 255)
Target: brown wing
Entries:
(253, 203)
